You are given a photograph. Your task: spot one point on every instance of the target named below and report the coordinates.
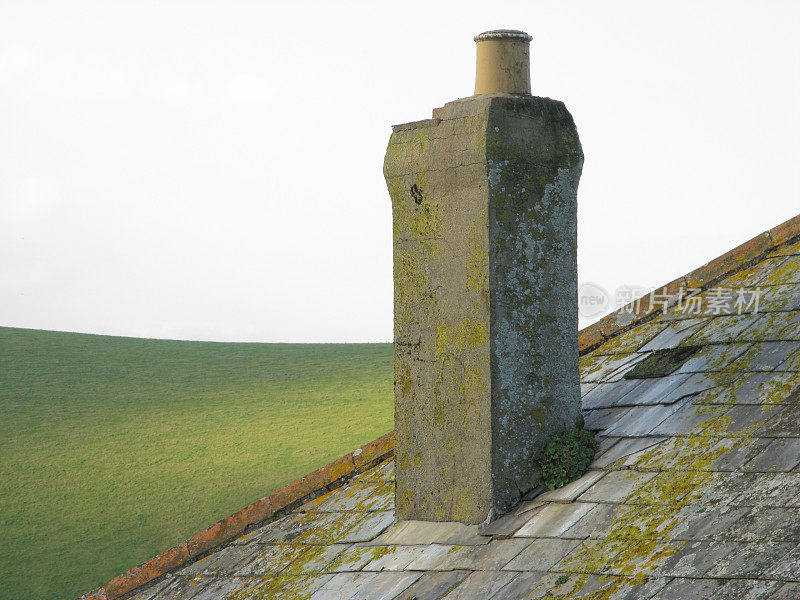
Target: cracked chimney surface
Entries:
(484, 215)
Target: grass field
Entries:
(113, 449)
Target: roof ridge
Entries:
(341, 470)
(744, 255)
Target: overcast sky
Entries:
(212, 170)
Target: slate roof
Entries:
(694, 492)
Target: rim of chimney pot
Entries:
(503, 34)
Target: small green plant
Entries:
(566, 457)
(562, 579)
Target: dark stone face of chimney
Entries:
(485, 271)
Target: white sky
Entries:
(212, 170)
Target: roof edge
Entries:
(269, 507)
(339, 471)
(703, 277)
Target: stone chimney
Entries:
(485, 290)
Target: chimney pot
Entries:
(503, 62)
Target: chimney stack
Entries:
(485, 301)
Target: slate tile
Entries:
(433, 586)
(783, 297)
(722, 487)
(687, 418)
(480, 584)
(722, 329)
(658, 390)
(591, 587)
(382, 472)
(214, 589)
(751, 560)
(346, 527)
(505, 526)
(764, 356)
(372, 586)
(600, 419)
(597, 367)
(751, 418)
(541, 555)
(695, 559)
(594, 524)
(554, 519)
(356, 557)
(787, 567)
(706, 522)
(692, 385)
(759, 388)
(750, 276)
(640, 591)
(388, 585)
(761, 524)
(183, 588)
(770, 489)
(615, 487)
(150, 591)
(633, 339)
(785, 250)
(304, 559)
(609, 394)
(717, 357)
(604, 443)
(521, 586)
(784, 422)
(361, 496)
(393, 558)
(738, 452)
(576, 561)
(641, 420)
(767, 327)
(489, 557)
(572, 490)
(620, 372)
(425, 532)
(430, 556)
(588, 387)
(624, 448)
(674, 333)
(788, 591)
(689, 589)
(287, 527)
(791, 363)
(225, 560)
(782, 454)
(745, 589)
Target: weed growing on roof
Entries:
(566, 457)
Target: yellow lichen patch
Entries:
(784, 272)
(786, 250)
(777, 388)
(753, 274)
(477, 268)
(632, 339)
(356, 558)
(279, 587)
(454, 340)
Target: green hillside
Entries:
(113, 449)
